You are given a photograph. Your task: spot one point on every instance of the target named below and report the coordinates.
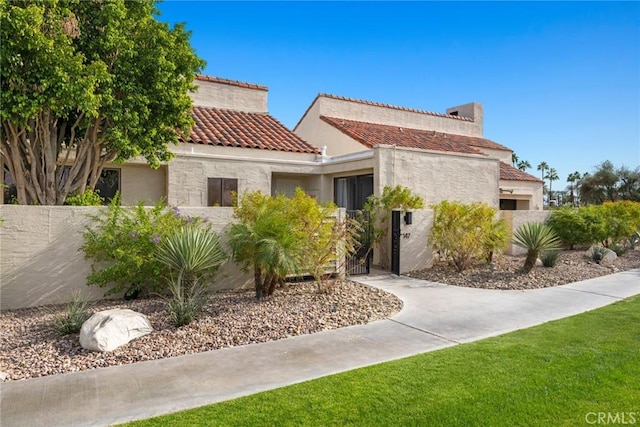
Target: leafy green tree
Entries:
(629, 183)
(514, 159)
(464, 233)
(85, 83)
(606, 183)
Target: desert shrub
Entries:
(74, 315)
(121, 245)
(278, 236)
(607, 224)
(88, 198)
(535, 237)
(465, 233)
(193, 254)
(598, 253)
(570, 226)
(619, 249)
(549, 258)
(620, 219)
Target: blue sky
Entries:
(560, 82)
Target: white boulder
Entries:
(109, 329)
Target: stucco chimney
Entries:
(216, 92)
(472, 110)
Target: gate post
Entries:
(395, 242)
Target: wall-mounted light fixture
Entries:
(408, 218)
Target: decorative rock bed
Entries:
(31, 347)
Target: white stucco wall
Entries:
(415, 251)
(187, 175)
(515, 219)
(502, 155)
(229, 96)
(437, 176)
(319, 133)
(40, 262)
(142, 183)
(523, 191)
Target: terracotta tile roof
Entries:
(487, 143)
(204, 78)
(509, 173)
(370, 134)
(230, 128)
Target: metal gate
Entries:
(395, 242)
(360, 261)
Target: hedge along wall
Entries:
(40, 261)
(515, 219)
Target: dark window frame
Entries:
(220, 192)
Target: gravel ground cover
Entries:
(572, 266)
(30, 347)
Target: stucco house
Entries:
(438, 155)
(342, 149)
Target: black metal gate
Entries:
(360, 261)
(395, 242)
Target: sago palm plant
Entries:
(535, 237)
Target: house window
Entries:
(108, 184)
(221, 190)
(351, 192)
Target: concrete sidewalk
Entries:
(434, 316)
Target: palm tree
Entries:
(572, 179)
(523, 165)
(552, 175)
(542, 167)
(514, 159)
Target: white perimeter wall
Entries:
(40, 261)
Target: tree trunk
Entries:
(530, 261)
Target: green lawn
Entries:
(554, 374)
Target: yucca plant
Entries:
(535, 237)
(549, 258)
(74, 315)
(193, 254)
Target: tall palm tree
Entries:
(552, 175)
(514, 159)
(542, 167)
(572, 179)
(523, 165)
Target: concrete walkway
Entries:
(434, 316)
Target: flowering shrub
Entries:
(122, 243)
